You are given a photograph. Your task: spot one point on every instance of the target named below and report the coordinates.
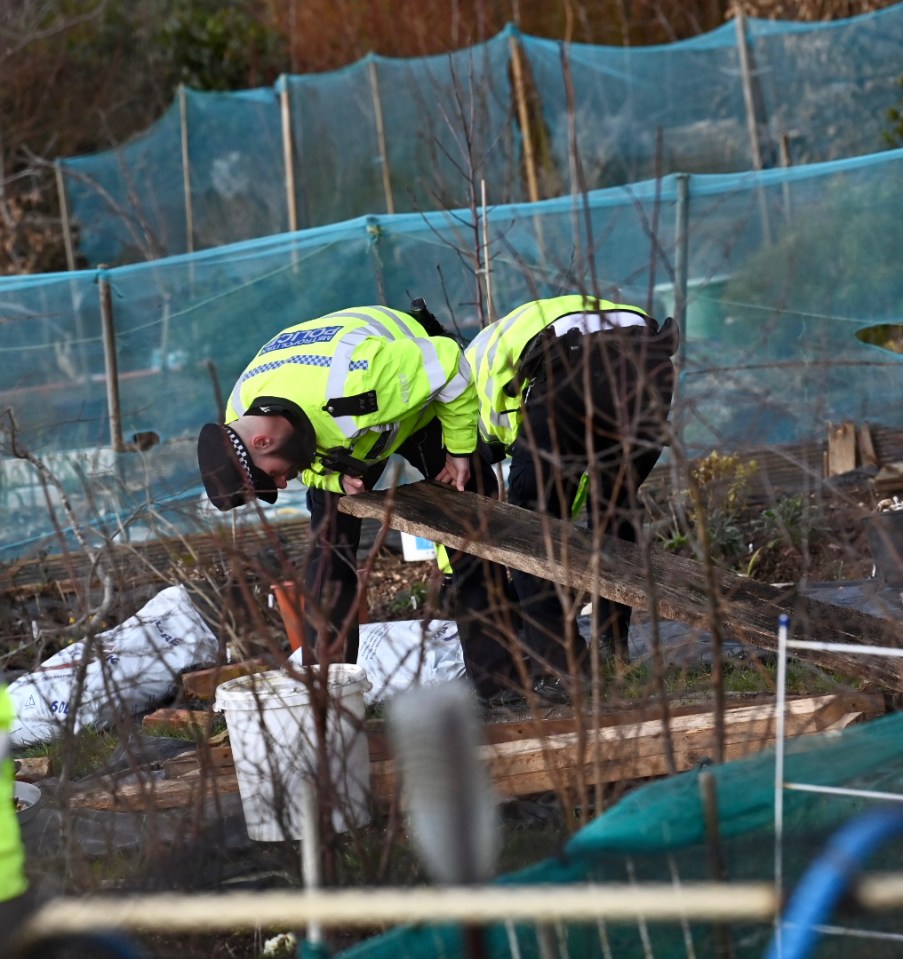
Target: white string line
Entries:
(844, 931)
(842, 791)
(893, 651)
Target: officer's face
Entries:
(277, 467)
(282, 460)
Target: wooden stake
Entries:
(110, 362)
(523, 114)
(752, 120)
(381, 135)
(752, 125)
(490, 314)
(867, 454)
(841, 448)
(64, 216)
(186, 170)
(288, 154)
(717, 871)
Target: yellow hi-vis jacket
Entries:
(495, 353)
(12, 856)
(401, 377)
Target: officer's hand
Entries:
(456, 471)
(352, 484)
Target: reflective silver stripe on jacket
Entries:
(486, 359)
(596, 322)
(432, 366)
(351, 337)
(340, 364)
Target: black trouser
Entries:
(478, 587)
(598, 404)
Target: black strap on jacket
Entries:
(340, 460)
(357, 405)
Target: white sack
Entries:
(399, 655)
(135, 666)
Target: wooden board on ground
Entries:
(865, 444)
(841, 455)
(889, 481)
(619, 753)
(684, 589)
(31, 769)
(202, 683)
(167, 721)
(536, 763)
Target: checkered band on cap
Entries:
(241, 451)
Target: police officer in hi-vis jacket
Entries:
(572, 387)
(329, 400)
(14, 896)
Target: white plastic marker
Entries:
(783, 629)
(451, 806)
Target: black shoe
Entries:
(551, 691)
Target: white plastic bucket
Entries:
(271, 718)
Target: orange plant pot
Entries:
(290, 601)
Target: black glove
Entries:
(428, 320)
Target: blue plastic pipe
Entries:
(829, 877)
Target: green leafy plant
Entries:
(722, 482)
(216, 46)
(409, 600)
(718, 491)
(674, 540)
(789, 523)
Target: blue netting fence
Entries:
(774, 275)
(527, 118)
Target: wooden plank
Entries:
(629, 753)
(866, 447)
(213, 755)
(841, 449)
(206, 757)
(533, 766)
(220, 756)
(168, 720)
(889, 479)
(510, 781)
(561, 552)
(157, 793)
(202, 683)
(31, 769)
(541, 763)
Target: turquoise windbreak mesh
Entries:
(522, 117)
(781, 270)
(734, 180)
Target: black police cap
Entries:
(227, 469)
